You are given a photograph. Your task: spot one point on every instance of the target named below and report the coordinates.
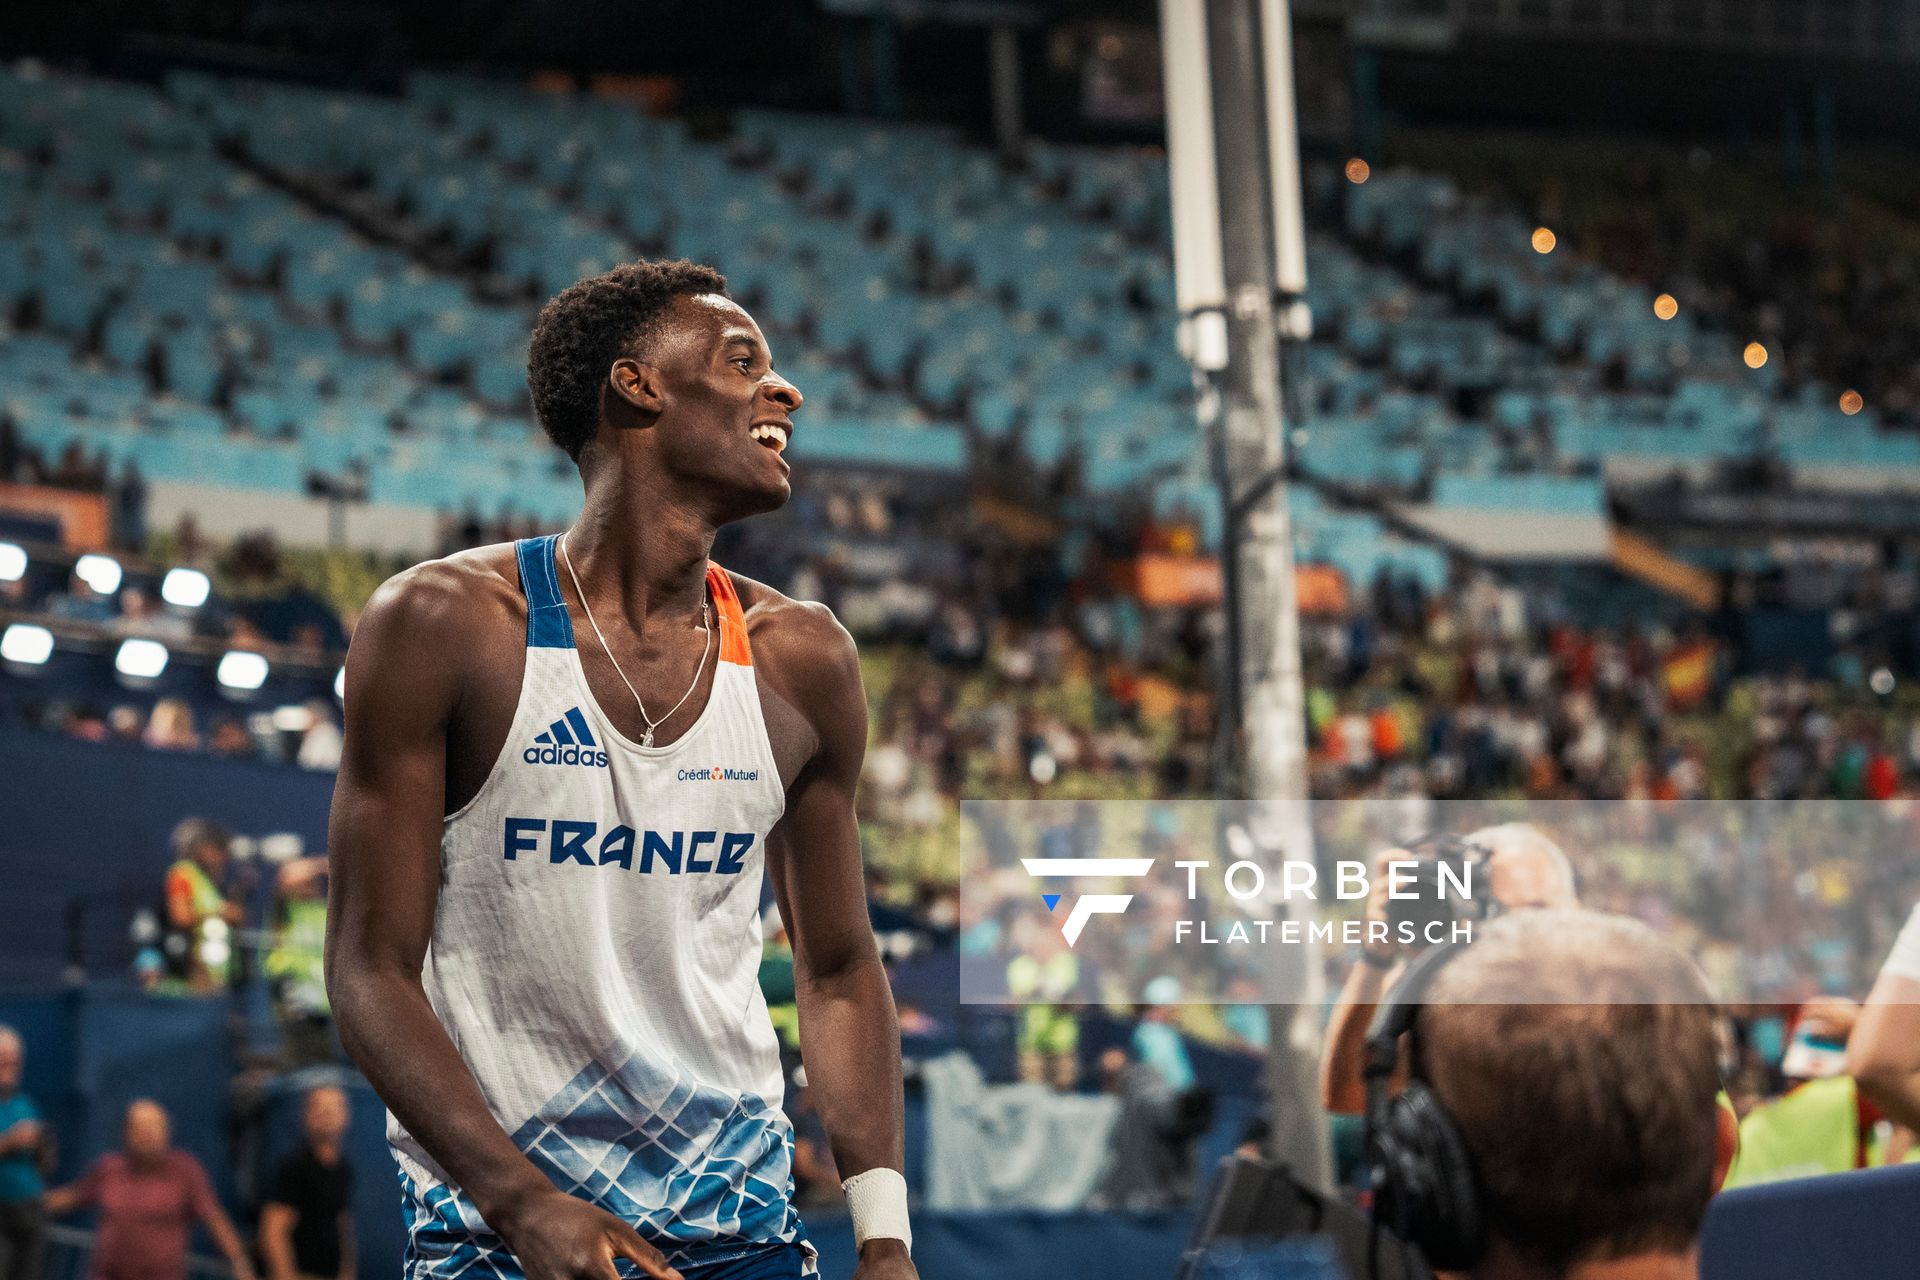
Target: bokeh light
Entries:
(1852, 402)
(1544, 240)
(1666, 306)
(1358, 170)
(1755, 355)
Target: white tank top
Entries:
(596, 954)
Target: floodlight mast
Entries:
(1239, 272)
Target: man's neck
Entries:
(1644, 1266)
(641, 548)
(1647, 1266)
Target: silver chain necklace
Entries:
(706, 625)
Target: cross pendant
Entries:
(646, 739)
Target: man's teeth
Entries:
(769, 432)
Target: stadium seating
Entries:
(312, 280)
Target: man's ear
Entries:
(637, 384)
(1726, 1140)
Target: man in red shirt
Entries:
(149, 1196)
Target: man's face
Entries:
(728, 415)
(326, 1118)
(12, 1062)
(147, 1132)
(212, 857)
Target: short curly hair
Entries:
(589, 325)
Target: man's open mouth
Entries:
(771, 434)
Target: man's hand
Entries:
(885, 1259)
(1379, 907)
(558, 1237)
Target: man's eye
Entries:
(745, 363)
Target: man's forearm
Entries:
(276, 1244)
(1342, 1088)
(390, 1031)
(850, 1039)
(1898, 1097)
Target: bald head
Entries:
(1528, 868)
(1612, 1068)
(148, 1131)
(326, 1115)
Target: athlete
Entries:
(567, 761)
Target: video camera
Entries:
(1467, 862)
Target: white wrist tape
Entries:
(877, 1199)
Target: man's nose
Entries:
(784, 393)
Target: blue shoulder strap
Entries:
(548, 626)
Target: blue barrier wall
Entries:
(91, 1052)
(92, 821)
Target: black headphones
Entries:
(1424, 1190)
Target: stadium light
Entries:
(1199, 271)
(26, 644)
(242, 671)
(185, 588)
(340, 684)
(13, 562)
(102, 573)
(141, 659)
(292, 718)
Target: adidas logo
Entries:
(566, 741)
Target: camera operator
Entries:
(1523, 869)
(1577, 1138)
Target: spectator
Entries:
(1157, 1042)
(1624, 1141)
(198, 914)
(149, 1196)
(306, 1225)
(320, 743)
(170, 727)
(296, 963)
(1823, 1123)
(23, 1219)
(140, 616)
(81, 603)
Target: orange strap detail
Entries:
(733, 621)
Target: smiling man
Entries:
(567, 762)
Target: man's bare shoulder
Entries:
(798, 642)
(459, 596)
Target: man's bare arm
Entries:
(403, 689)
(1343, 1089)
(849, 1032)
(1883, 1053)
(275, 1236)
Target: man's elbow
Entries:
(1879, 1068)
(840, 969)
(360, 989)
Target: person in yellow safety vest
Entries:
(199, 948)
(1822, 1124)
(297, 963)
(1047, 1047)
